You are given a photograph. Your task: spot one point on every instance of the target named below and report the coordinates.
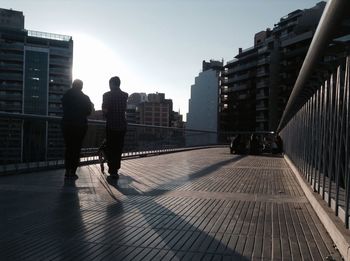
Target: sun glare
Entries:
(94, 63)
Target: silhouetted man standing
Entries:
(114, 107)
(76, 107)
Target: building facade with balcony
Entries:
(256, 85)
(35, 71)
(237, 92)
(292, 36)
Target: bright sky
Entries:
(153, 45)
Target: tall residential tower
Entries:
(256, 85)
(35, 71)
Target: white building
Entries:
(203, 105)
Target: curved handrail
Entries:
(333, 14)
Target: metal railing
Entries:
(34, 142)
(31, 142)
(51, 36)
(315, 123)
(316, 140)
(331, 18)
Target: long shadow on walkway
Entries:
(183, 237)
(158, 191)
(47, 229)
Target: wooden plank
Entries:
(267, 245)
(304, 250)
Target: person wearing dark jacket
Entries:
(76, 107)
(114, 107)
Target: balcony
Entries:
(55, 100)
(262, 96)
(60, 52)
(11, 76)
(263, 61)
(11, 97)
(262, 84)
(10, 86)
(224, 80)
(295, 52)
(11, 108)
(12, 47)
(261, 119)
(56, 80)
(242, 67)
(63, 62)
(60, 71)
(240, 77)
(297, 39)
(240, 87)
(261, 73)
(261, 108)
(10, 67)
(263, 50)
(224, 89)
(11, 57)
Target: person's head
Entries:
(77, 84)
(114, 83)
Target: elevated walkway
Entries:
(194, 205)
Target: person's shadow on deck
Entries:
(174, 233)
(69, 220)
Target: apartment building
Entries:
(256, 85)
(35, 71)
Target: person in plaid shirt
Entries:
(114, 107)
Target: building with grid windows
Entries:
(35, 71)
(256, 84)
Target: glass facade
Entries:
(35, 101)
(35, 83)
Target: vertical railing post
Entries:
(321, 137)
(338, 137)
(311, 137)
(347, 122)
(314, 141)
(306, 138)
(307, 142)
(331, 142)
(326, 138)
(317, 145)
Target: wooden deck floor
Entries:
(195, 205)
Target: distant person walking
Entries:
(76, 107)
(114, 107)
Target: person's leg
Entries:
(68, 140)
(119, 147)
(79, 134)
(111, 151)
